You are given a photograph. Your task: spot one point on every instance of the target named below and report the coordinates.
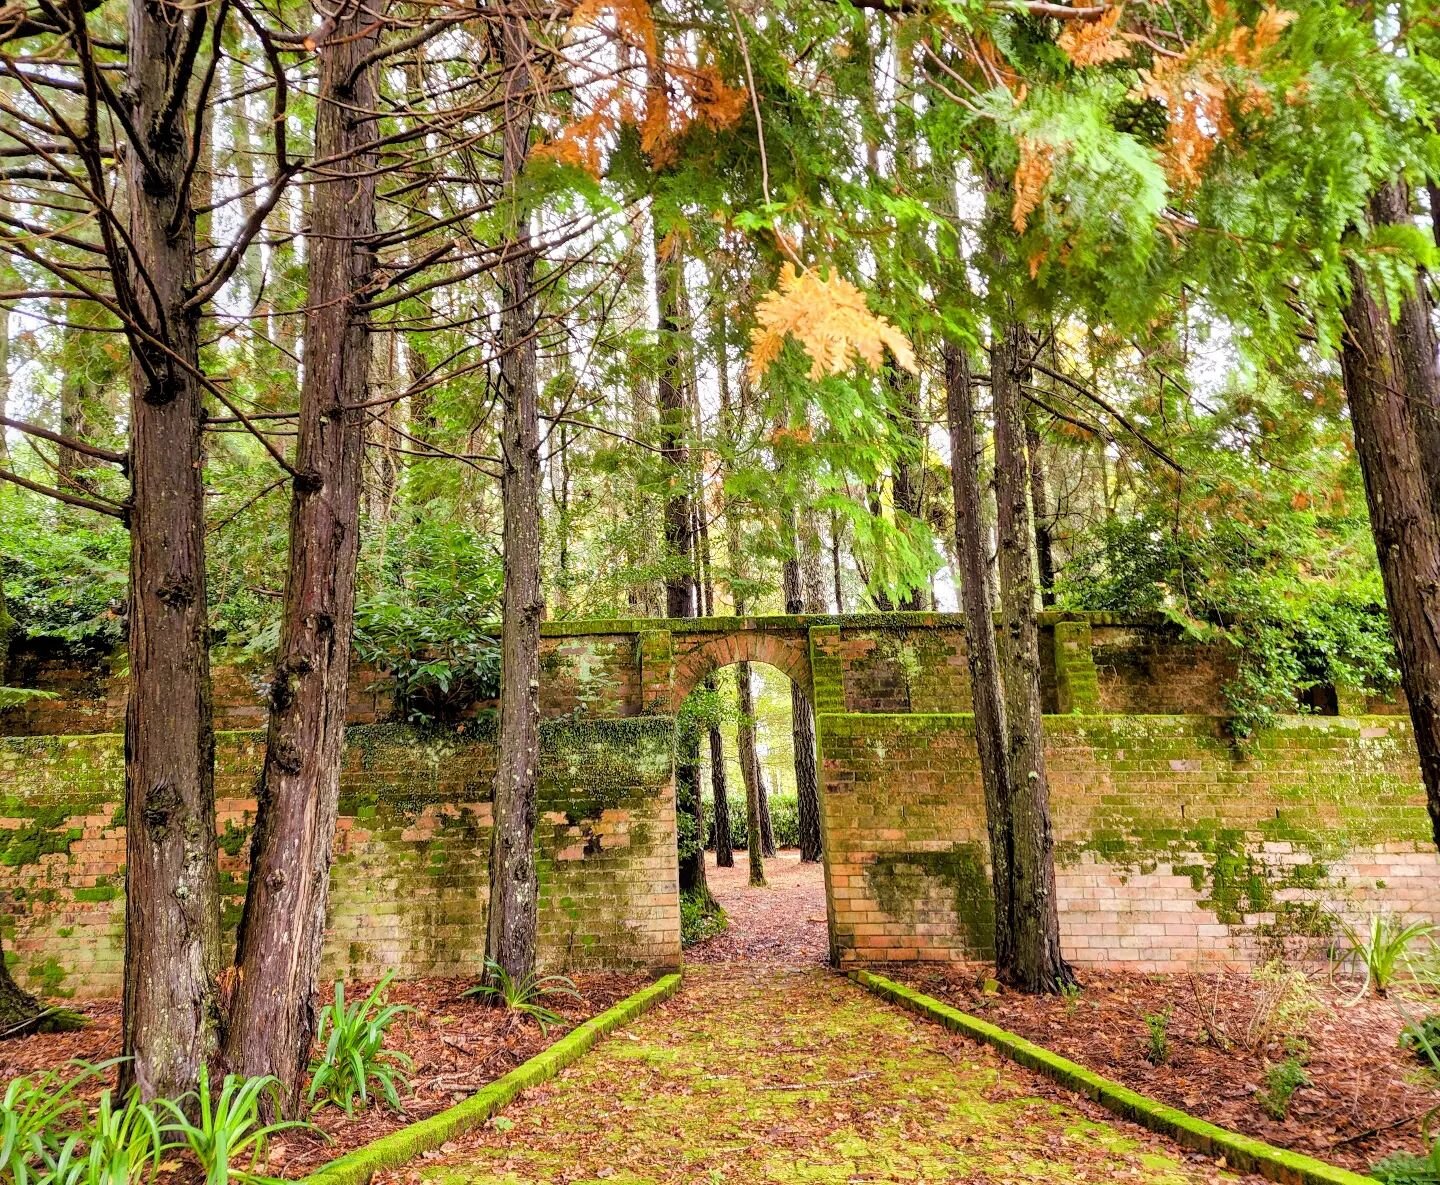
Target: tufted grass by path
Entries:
(751, 1074)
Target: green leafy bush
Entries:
(1157, 1044)
(37, 1114)
(526, 994)
(351, 1038)
(1282, 1080)
(1422, 1038)
(426, 615)
(784, 818)
(228, 1136)
(123, 1144)
(1404, 1168)
(700, 919)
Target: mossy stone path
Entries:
(752, 1074)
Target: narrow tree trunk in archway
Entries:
(802, 730)
(750, 772)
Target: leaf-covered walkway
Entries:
(757, 1074)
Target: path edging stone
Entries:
(357, 1167)
(1240, 1152)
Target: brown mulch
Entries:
(1367, 1097)
(782, 924)
(458, 1045)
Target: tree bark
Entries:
(675, 411)
(719, 791)
(1009, 831)
(750, 773)
(802, 732)
(1040, 507)
(1398, 477)
(272, 1019)
(1031, 911)
(172, 909)
(514, 883)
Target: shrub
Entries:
(228, 1136)
(1070, 992)
(1157, 1046)
(524, 995)
(1284, 1004)
(1282, 1080)
(1422, 1037)
(1403, 1168)
(352, 1040)
(122, 1145)
(36, 1116)
(1382, 949)
(784, 819)
(700, 918)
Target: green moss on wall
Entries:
(904, 881)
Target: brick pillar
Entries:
(826, 669)
(656, 655)
(1076, 686)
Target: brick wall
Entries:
(409, 884)
(1172, 847)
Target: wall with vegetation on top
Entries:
(1175, 843)
(410, 879)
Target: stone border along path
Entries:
(799, 1077)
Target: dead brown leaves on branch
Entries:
(830, 319)
(677, 93)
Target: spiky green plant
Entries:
(353, 1053)
(1382, 950)
(228, 1135)
(525, 994)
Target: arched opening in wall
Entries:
(747, 755)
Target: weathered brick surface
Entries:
(1154, 670)
(1172, 847)
(410, 878)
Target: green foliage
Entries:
(700, 918)
(351, 1038)
(1381, 951)
(426, 614)
(228, 1135)
(37, 1116)
(1422, 1038)
(784, 819)
(122, 1145)
(1070, 991)
(1282, 1080)
(1157, 1042)
(1284, 1004)
(526, 994)
(1404, 1168)
(63, 579)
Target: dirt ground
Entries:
(458, 1046)
(783, 923)
(1366, 1096)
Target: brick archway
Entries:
(698, 656)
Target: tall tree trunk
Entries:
(514, 884)
(802, 732)
(1031, 913)
(1040, 507)
(1005, 798)
(172, 905)
(675, 413)
(1398, 473)
(835, 566)
(272, 1019)
(719, 791)
(1414, 335)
